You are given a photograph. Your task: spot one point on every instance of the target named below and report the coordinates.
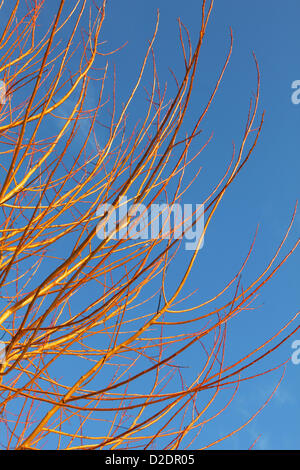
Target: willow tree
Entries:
(92, 335)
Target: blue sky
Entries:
(264, 193)
(266, 190)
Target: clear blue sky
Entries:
(265, 192)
